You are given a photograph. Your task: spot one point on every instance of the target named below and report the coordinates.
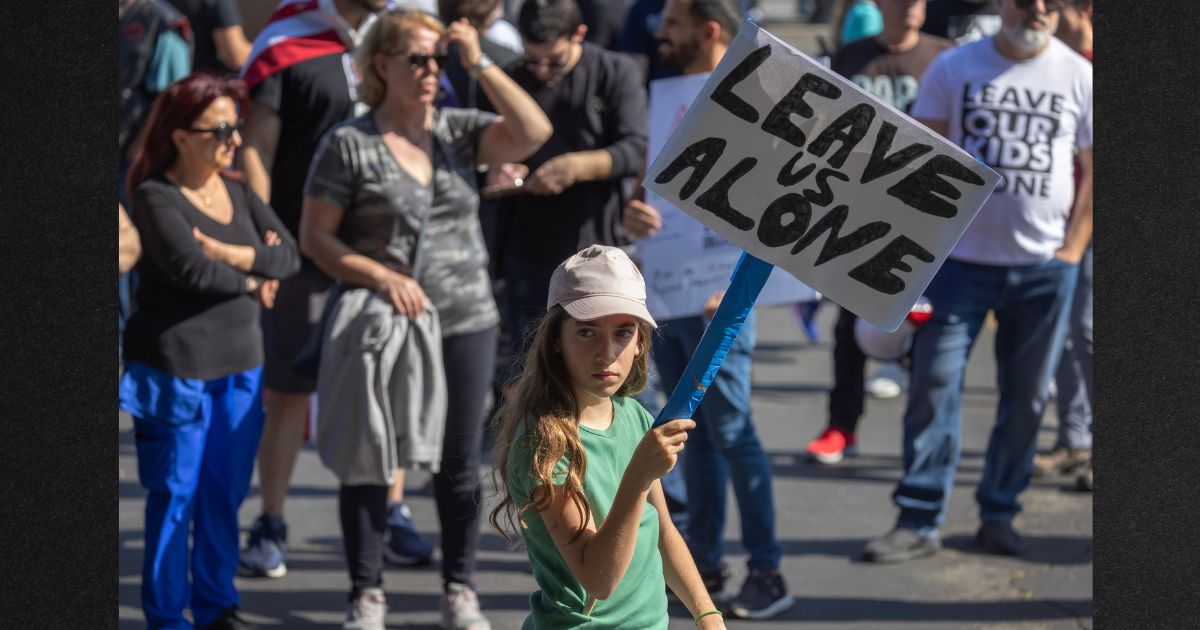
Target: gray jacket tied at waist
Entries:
(381, 390)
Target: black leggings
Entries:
(363, 512)
(470, 360)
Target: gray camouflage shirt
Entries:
(353, 169)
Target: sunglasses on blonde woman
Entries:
(420, 59)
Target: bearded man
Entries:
(1021, 102)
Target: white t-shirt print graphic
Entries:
(1025, 120)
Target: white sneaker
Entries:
(460, 609)
(367, 612)
(888, 382)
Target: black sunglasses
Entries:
(420, 59)
(547, 63)
(1052, 6)
(224, 131)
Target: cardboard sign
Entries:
(809, 172)
(685, 262)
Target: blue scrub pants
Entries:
(196, 444)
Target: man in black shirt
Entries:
(595, 100)
(603, 19)
(481, 14)
(221, 45)
(465, 91)
(301, 83)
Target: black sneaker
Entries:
(763, 596)
(899, 545)
(230, 619)
(999, 538)
(714, 583)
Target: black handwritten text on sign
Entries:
(847, 190)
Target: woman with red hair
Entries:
(213, 252)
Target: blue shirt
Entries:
(171, 62)
(862, 20)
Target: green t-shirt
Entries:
(640, 599)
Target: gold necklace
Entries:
(204, 196)
(205, 199)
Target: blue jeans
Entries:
(722, 447)
(196, 443)
(1031, 305)
(1074, 376)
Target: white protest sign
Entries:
(811, 173)
(685, 261)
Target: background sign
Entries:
(685, 262)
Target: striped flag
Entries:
(299, 30)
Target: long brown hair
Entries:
(544, 401)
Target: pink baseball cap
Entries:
(597, 282)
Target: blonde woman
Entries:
(391, 211)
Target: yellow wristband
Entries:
(707, 613)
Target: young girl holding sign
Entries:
(573, 451)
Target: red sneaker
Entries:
(831, 446)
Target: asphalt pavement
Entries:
(825, 515)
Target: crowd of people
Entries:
(427, 215)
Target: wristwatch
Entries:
(484, 63)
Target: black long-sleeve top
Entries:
(194, 318)
(599, 104)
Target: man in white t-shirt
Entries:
(1021, 102)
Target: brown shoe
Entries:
(1062, 460)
